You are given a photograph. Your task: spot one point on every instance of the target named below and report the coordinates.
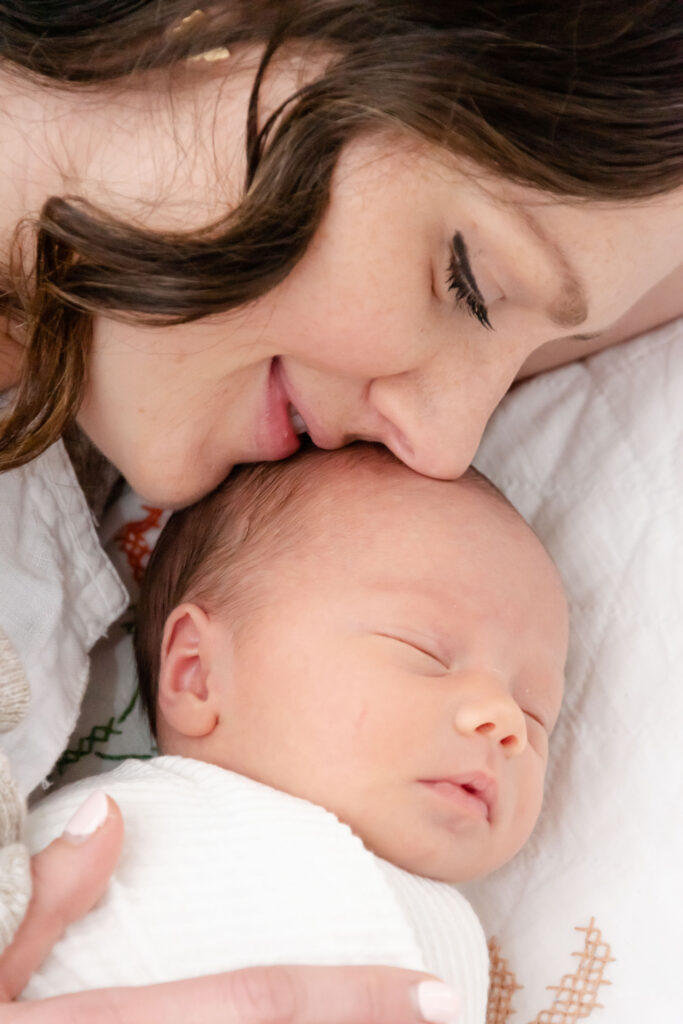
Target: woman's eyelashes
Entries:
(461, 281)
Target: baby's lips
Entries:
(481, 785)
(478, 785)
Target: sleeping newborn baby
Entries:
(352, 671)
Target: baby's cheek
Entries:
(537, 738)
(529, 798)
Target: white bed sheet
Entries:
(592, 455)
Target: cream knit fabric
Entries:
(15, 694)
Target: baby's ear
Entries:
(187, 702)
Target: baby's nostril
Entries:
(486, 727)
(509, 741)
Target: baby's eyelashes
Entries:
(538, 733)
(536, 717)
(420, 647)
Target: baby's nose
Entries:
(494, 713)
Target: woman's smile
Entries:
(277, 435)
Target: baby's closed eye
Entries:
(537, 717)
(425, 651)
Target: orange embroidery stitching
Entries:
(132, 541)
(502, 987)
(575, 996)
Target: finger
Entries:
(259, 995)
(69, 877)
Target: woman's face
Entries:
(377, 333)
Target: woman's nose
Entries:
(432, 425)
(489, 710)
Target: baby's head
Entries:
(386, 645)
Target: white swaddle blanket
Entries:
(220, 872)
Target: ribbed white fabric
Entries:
(220, 872)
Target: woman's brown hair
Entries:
(581, 99)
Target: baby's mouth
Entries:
(474, 792)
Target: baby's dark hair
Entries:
(216, 552)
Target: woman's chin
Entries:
(172, 494)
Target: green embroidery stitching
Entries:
(126, 757)
(87, 744)
(133, 701)
(98, 735)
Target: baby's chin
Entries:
(468, 851)
(445, 858)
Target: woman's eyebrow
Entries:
(569, 308)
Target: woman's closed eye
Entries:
(461, 281)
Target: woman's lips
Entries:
(276, 435)
(304, 420)
(473, 793)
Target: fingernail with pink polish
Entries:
(88, 818)
(437, 1002)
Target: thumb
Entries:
(69, 877)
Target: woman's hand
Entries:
(71, 874)
(257, 995)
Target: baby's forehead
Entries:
(387, 507)
(372, 487)
(349, 512)
(356, 501)
(445, 554)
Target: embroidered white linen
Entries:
(59, 595)
(219, 871)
